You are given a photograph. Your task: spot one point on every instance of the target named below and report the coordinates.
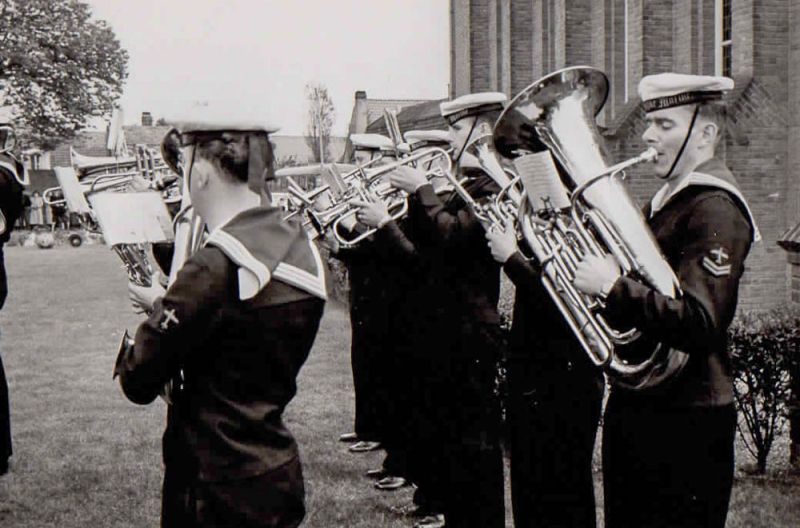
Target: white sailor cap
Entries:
(472, 104)
(667, 90)
(426, 138)
(218, 117)
(371, 142)
(215, 119)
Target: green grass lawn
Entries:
(84, 456)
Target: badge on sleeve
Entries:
(169, 318)
(717, 263)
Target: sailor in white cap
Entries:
(668, 451)
(231, 333)
(467, 455)
(368, 148)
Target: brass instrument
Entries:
(584, 209)
(503, 207)
(329, 207)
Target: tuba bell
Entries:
(581, 206)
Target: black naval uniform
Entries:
(11, 209)
(555, 398)
(235, 355)
(417, 316)
(471, 448)
(668, 455)
(380, 271)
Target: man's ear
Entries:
(710, 132)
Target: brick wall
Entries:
(579, 28)
(522, 37)
(480, 46)
(678, 35)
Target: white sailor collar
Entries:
(663, 196)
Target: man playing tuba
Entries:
(231, 332)
(668, 450)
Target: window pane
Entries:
(727, 61)
(726, 19)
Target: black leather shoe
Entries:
(377, 473)
(391, 483)
(363, 446)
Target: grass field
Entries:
(85, 457)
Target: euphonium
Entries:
(582, 209)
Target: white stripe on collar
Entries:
(662, 197)
(253, 274)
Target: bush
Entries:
(764, 352)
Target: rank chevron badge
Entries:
(716, 262)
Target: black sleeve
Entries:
(393, 244)
(180, 321)
(450, 228)
(717, 241)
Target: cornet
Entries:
(365, 184)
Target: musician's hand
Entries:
(407, 179)
(372, 214)
(502, 242)
(143, 297)
(593, 273)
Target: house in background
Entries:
(367, 116)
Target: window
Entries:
(625, 64)
(723, 38)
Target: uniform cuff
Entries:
(427, 196)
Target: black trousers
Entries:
(429, 405)
(553, 414)
(472, 457)
(5, 417)
(368, 357)
(667, 467)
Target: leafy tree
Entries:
(321, 116)
(58, 68)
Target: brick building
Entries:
(504, 45)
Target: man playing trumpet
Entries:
(231, 334)
(469, 450)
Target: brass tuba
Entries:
(584, 208)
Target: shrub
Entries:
(764, 351)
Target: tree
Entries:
(321, 116)
(58, 68)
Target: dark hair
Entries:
(229, 151)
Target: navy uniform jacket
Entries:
(467, 267)
(539, 333)
(239, 354)
(705, 231)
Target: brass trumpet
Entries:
(365, 184)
